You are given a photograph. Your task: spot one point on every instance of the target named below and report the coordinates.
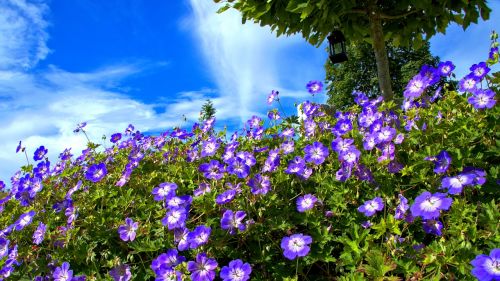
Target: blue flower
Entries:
(314, 87)
(199, 236)
(428, 206)
(370, 207)
(96, 172)
(306, 202)
(203, 269)
(236, 271)
(487, 268)
(40, 153)
(297, 245)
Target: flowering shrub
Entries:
(373, 193)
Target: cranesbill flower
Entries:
(416, 86)
(96, 172)
(482, 99)
(316, 153)
(181, 238)
(351, 156)
(199, 236)
(232, 221)
(428, 206)
(479, 175)
(170, 259)
(445, 68)
(63, 273)
(165, 273)
(127, 231)
(40, 153)
(314, 87)
(202, 189)
(115, 137)
(272, 96)
(296, 165)
(468, 84)
(24, 220)
(487, 267)
(370, 207)
(254, 122)
(493, 53)
(225, 197)
(164, 191)
(209, 147)
(247, 157)
(79, 127)
(306, 202)
(343, 126)
(433, 227)
(121, 273)
(441, 161)
(401, 208)
(273, 115)
(19, 147)
(39, 233)
(259, 184)
(175, 218)
(385, 134)
(297, 245)
(236, 271)
(479, 70)
(457, 183)
(238, 167)
(203, 269)
(179, 201)
(341, 145)
(4, 247)
(212, 170)
(288, 147)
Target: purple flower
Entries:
(40, 153)
(19, 147)
(487, 267)
(401, 208)
(199, 236)
(479, 70)
(202, 189)
(165, 273)
(341, 145)
(164, 190)
(175, 218)
(366, 224)
(169, 259)
(456, 184)
(468, 84)
(259, 184)
(316, 153)
(478, 174)
(493, 53)
(39, 233)
(236, 271)
(127, 231)
(385, 134)
(273, 115)
(238, 167)
(445, 68)
(181, 238)
(370, 207)
(428, 206)
(343, 126)
(288, 147)
(482, 99)
(416, 86)
(441, 161)
(203, 269)
(306, 202)
(121, 273)
(4, 246)
(225, 197)
(63, 273)
(296, 165)
(96, 172)
(24, 220)
(212, 170)
(394, 167)
(209, 147)
(272, 96)
(433, 227)
(351, 156)
(314, 87)
(297, 245)
(116, 137)
(233, 220)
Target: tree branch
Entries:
(395, 17)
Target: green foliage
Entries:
(359, 73)
(207, 111)
(405, 22)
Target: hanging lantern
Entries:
(337, 47)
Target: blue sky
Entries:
(115, 62)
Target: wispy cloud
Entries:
(248, 61)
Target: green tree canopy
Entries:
(403, 22)
(359, 73)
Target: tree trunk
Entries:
(377, 34)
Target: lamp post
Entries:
(337, 47)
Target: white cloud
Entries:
(23, 34)
(248, 61)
